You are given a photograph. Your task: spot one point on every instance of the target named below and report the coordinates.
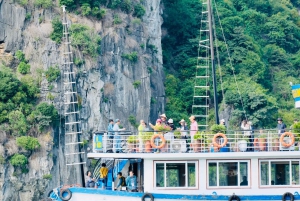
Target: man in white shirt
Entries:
(117, 137)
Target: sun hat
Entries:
(192, 117)
(170, 121)
(279, 119)
(182, 120)
(163, 115)
(222, 120)
(117, 120)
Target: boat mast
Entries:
(213, 61)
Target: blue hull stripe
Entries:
(296, 86)
(297, 99)
(177, 197)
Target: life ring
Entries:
(234, 197)
(162, 139)
(215, 138)
(288, 194)
(147, 195)
(67, 197)
(49, 194)
(287, 144)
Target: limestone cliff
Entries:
(105, 84)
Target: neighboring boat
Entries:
(213, 166)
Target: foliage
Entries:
(52, 74)
(47, 110)
(136, 84)
(86, 39)
(9, 85)
(139, 11)
(43, 3)
(28, 16)
(18, 124)
(126, 6)
(296, 129)
(132, 139)
(57, 33)
(18, 160)
(177, 134)
(23, 68)
(137, 21)
(161, 128)
(98, 13)
(218, 128)
(20, 56)
(28, 143)
(86, 9)
(264, 55)
(22, 2)
(131, 57)
(47, 176)
(199, 136)
(132, 121)
(2, 160)
(117, 19)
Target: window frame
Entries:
(248, 161)
(269, 161)
(196, 162)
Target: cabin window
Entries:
(229, 173)
(279, 172)
(176, 174)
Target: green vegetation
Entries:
(131, 57)
(139, 11)
(218, 128)
(52, 73)
(136, 84)
(43, 3)
(132, 121)
(28, 16)
(2, 160)
(57, 32)
(22, 2)
(18, 160)
(264, 42)
(117, 19)
(24, 68)
(152, 47)
(98, 13)
(86, 39)
(136, 21)
(17, 123)
(28, 143)
(47, 176)
(20, 56)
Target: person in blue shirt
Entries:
(110, 129)
(131, 182)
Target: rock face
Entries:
(105, 83)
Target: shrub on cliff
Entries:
(47, 110)
(52, 74)
(139, 11)
(18, 160)
(43, 3)
(17, 123)
(86, 39)
(57, 32)
(24, 68)
(131, 57)
(28, 143)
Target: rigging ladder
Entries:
(71, 108)
(200, 107)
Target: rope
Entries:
(230, 61)
(219, 66)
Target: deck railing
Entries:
(192, 142)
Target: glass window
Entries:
(280, 172)
(176, 174)
(228, 173)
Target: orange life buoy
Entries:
(283, 142)
(162, 139)
(215, 140)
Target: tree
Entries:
(17, 123)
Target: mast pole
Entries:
(213, 61)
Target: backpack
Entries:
(123, 183)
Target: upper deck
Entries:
(234, 144)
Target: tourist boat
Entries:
(213, 166)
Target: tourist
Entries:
(141, 129)
(244, 182)
(117, 137)
(171, 125)
(248, 132)
(103, 175)
(193, 131)
(156, 140)
(183, 129)
(110, 129)
(121, 182)
(280, 127)
(89, 181)
(163, 118)
(222, 122)
(131, 182)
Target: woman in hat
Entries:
(193, 131)
(183, 129)
(163, 118)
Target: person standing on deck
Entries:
(163, 118)
(183, 129)
(193, 131)
(110, 128)
(141, 129)
(103, 175)
(280, 127)
(131, 182)
(117, 137)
